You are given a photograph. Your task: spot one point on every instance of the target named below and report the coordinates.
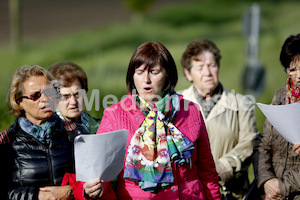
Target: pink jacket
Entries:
(198, 180)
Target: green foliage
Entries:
(140, 6)
(104, 53)
(207, 12)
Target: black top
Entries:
(30, 164)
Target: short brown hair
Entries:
(152, 54)
(67, 72)
(290, 50)
(197, 47)
(15, 91)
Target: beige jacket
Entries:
(231, 128)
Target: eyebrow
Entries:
(62, 93)
(33, 93)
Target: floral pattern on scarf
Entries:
(155, 144)
(293, 93)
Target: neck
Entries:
(207, 95)
(35, 121)
(72, 120)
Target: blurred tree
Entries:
(15, 23)
(139, 7)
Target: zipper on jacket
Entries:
(51, 178)
(49, 158)
(286, 158)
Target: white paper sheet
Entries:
(285, 118)
(100, 156)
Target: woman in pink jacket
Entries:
(168, 152)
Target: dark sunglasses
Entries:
(33, 97)
(37, 95)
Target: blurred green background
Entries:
(104, 52)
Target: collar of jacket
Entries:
(129, 103)
(227, 101)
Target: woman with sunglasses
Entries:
(276, 164)
(168, 153)
(38, 149)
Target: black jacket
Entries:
(32, 164)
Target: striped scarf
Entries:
(84, 121)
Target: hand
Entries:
(272, 190)
(296, 148)
(223, 173)
(94, 189)
(56, 193)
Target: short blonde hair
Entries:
(15, 91)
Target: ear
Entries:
(20, 105)
(188, 75)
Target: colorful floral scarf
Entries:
(43, 132)
(293, 93)
(155, 144)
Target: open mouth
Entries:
(148, 89)
(47, 109)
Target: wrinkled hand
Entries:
(296, 148)
(272, 190)
(223, 173)
(55, 192)
(94, 189)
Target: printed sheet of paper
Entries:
(285, 118)
(99, 156)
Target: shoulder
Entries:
(189, 119)
(7, 135)
(279, 96)
(92, 119)
(186, 92)
(245, 100)
(240, 101)
(189, 110)
(188, 104)
(126, 104)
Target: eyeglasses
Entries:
(33, 97)
(49, 92)
(65, 97)
(292, 70)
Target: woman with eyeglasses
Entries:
(37, 148)
(276, 164)
(73, 85)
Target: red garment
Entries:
(70, 179)
(197, 180)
